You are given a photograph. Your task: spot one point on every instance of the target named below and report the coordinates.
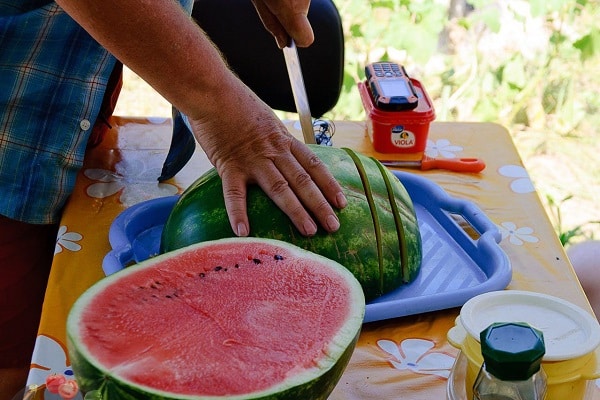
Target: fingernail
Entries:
(242, 229)
(341, 200)
(310, 228)
(333, 224)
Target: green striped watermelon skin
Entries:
(104, 383)
(379, 239)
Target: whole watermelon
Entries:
(378, 241)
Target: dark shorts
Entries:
(26, 253)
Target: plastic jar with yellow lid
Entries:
(571, 335)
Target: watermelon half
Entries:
(379, 239)
(240, 318)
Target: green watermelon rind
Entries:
(316, 383)
(200, 215)
(111, 388)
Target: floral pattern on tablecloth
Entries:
(517, 235)
(415, 355)
(522, 182)
(49, 357)
(66, 240)
(135, 183)
(443, 148)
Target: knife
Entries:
(466, 164)
(292, 63)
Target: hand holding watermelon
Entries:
(286, 169)
(379, 239)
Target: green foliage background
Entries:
(531, 66)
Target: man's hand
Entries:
(286, 19)
(248, 144)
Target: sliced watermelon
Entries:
(379, 239)
(240, 318)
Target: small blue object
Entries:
(455, 267)
(135, 234)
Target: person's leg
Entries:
(26, 253)
(585, 258)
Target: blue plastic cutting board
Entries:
(457, 263)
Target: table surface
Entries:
(408, 356)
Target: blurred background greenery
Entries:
(532, 66)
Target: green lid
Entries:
(512, 351)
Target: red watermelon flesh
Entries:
(199, 322)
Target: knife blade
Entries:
(467, 164)
(292, 63)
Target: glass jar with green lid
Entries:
(512, 354)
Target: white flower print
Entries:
(67, 240)
(415, 355)
(522, 182)
(441, 147)
(517, 236)
(134, 179)
(49, 357)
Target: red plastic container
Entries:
(399, 132)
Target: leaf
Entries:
(349, 84)
(383, 3)
(356, 31)
(589, 45)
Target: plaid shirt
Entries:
(53, 76)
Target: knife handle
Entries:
(466, 164)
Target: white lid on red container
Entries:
(569, 331)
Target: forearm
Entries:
(160, 42)
(240, 134)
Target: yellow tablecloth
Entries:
(122, 171)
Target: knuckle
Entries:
(296, 211)
(303, 179)
(315, 162)
(234, 195)
(279, 187)
(323, 205)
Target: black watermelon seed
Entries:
(237, 265)
(256, 261)
(278, 257)
(218, 268)
(201, 274)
